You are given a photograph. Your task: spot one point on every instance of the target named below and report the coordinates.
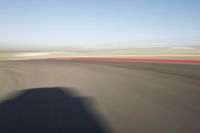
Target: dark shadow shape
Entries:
(48, 110)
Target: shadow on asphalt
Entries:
(48, 110)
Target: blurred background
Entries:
(138, 61)
(99, 28)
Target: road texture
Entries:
(132, 97)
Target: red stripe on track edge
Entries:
(124, 59)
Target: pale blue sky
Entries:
(62, 24)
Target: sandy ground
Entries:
(150, 53)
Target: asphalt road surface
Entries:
(131, 97)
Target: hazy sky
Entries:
(61, 24)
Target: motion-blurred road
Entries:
(132, 97)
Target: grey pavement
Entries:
(132, 97)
